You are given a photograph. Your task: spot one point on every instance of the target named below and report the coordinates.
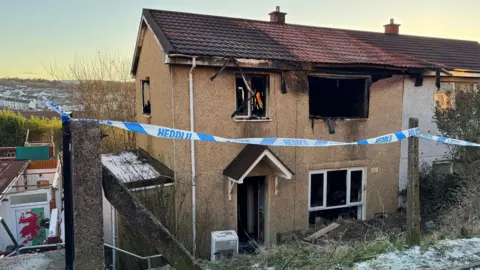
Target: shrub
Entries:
(437, 191)
(13, 128)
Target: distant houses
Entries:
(26, 98)
(17, 104)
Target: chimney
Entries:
(392, 28)
(277, 16)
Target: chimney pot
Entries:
(392, 28)
(277, 16)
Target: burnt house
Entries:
(241, 78)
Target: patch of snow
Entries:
(446, 254)
(127, 167)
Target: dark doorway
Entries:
(251, 212)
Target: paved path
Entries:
(52, 260)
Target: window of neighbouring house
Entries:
(442, 166)
(251, 104)
(146, 96)
(28, 198)
(336, 193)
(443, 100)
(341, 97)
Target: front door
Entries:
(251, 210)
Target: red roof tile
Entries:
(205, 35)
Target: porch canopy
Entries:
(246, 161)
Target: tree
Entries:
(103, 85)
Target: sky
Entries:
(38, 34)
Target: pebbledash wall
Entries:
(419, 102)
(214, 102)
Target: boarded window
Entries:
(338, 97)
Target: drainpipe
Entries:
(114, 237)
(192, 152)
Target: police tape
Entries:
(178, 134)
(55, 107)
(446, 140)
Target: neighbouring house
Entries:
(422, 105)
(15, 103)
(31, 191)
(31, 200)
(240, 78)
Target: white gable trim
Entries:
(285, 173)
(153, 33)
(138, 47)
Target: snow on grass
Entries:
(127, 167)
(445, 255)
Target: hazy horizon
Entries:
(38, 34)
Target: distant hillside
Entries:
(37, 83)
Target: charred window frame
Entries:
(252, 106)
(336, 189)
(146, 96)
(339, 97)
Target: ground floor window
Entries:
(336, 193)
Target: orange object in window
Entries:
(259, 100)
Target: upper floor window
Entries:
(146, 104)
(341, 97)
(443, 100)
(253, 103)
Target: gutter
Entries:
(192, 152)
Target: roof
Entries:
(248, 158)
(9, 170)
(45, 114)
(135, 170)
(205, 35)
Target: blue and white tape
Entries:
(178, 134)
(55, 107)
(446, 140)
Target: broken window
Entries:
(338, 97)
(316, 190)
(251, 103)
(337, 193)
(146, 104)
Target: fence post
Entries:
(87, 195)
(413, 188)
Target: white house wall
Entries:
(33, 175)
(7, 212)
(418, 102)
(9, 216)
